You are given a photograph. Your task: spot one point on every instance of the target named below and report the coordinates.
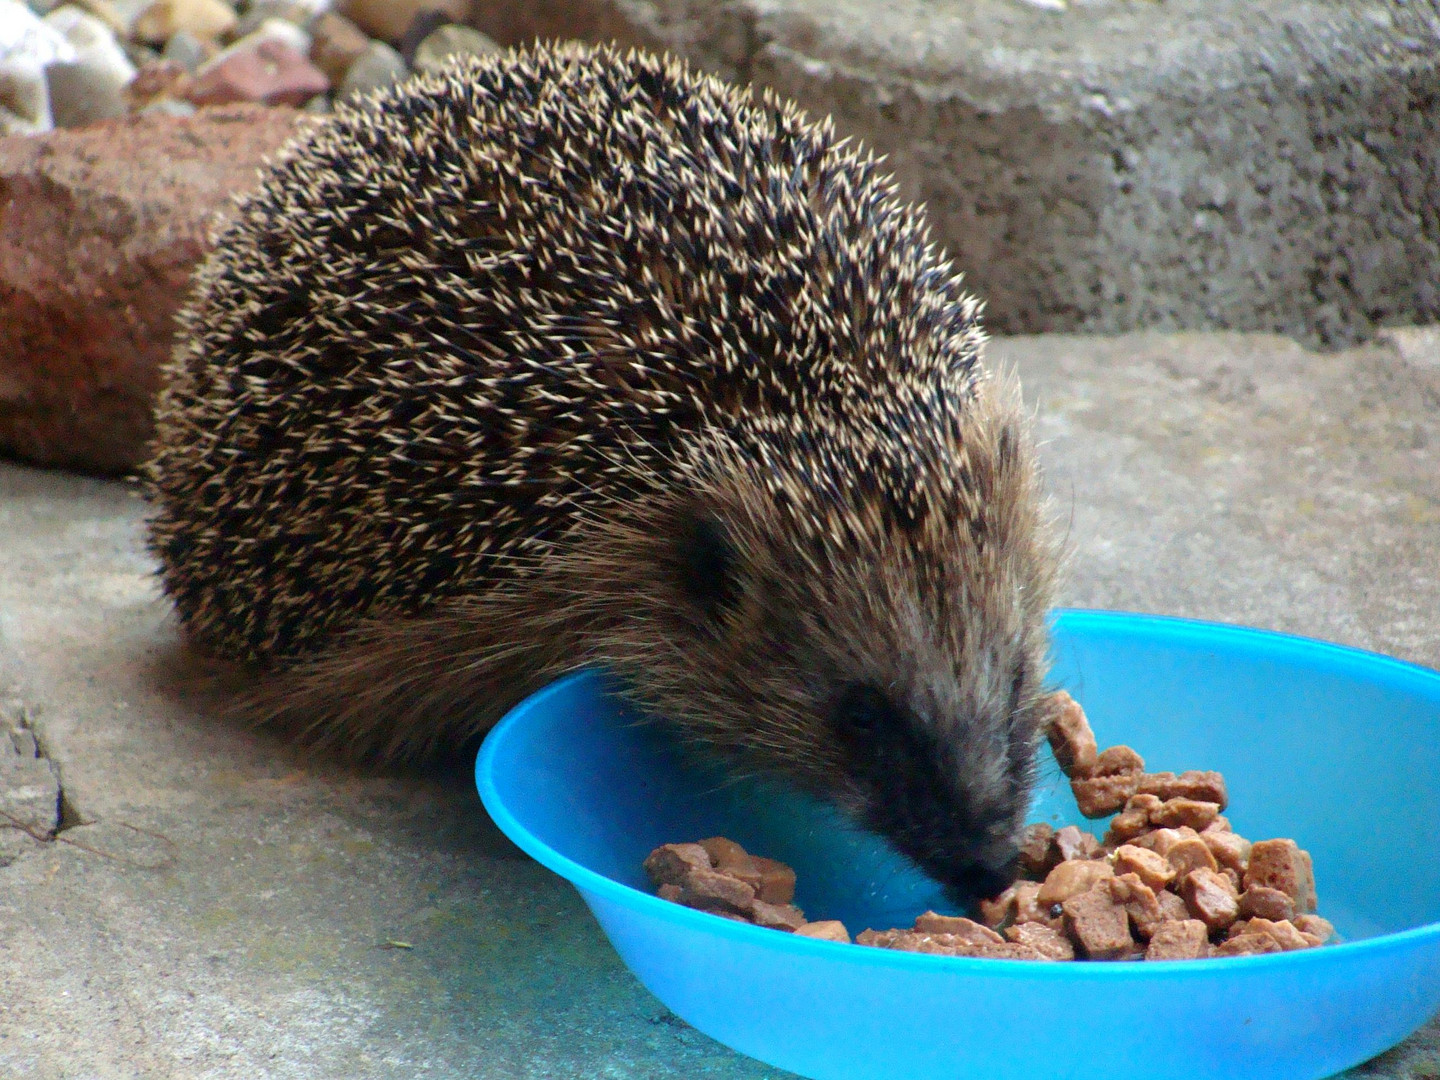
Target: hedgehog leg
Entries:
(405, 689)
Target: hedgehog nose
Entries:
(979, 882)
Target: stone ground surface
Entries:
(1224, 477)
(1121, 164)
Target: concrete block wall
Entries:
(1119, 164)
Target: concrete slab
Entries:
(1113, 165)
(218, 906)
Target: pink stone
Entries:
(269, 72)
(100, 229)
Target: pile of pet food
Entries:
(1169, 880)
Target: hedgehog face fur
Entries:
(567, 356)
(877, 639)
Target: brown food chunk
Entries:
(777, 881)
(1098, 925)
(1231, 850)
(1143, 804)
(905, 940)
(723, 913)
(712, 890)
(1282, 930)
(825, 930)
(1070, 879)
(1190, 853)
(1072, 842)
(671, 864)
(1172, 908)
(1173, 813)
(1161, 841)
(1192, 784)
(1136, 819)
(956, 926)
(776, 916)
(684, 875)
(1139, 901)
(1210, 897)
(1155, 870)
(1110, 784)
(1029, 909)
(1170, 873)
(1120, 761)
(1037, 854)
(724, 853)
(1021, 950)
(939, 944)
(1071, 739)
(730, 858)
(1281, 864)
(1187, 939)
(998, 910)
(1315, 927)
(1125, 827)
(1097, 796)
(1266, 903)
(1246, 945)
(1050, 943)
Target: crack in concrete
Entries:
(32, 798)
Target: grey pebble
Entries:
(185, 49)
(377, 67)
(452, 40)
(92, 86)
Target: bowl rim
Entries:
(1163, 626)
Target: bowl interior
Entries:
(1329, 746)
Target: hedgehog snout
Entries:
(952, 812)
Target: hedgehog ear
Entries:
(707, 566)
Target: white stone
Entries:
(1418, 346)
(92, 86)
(128, 11)
(85, 32)
(280, 30)
(203, 18)
(27, 46)
(24, 99)
(106, 12)
(25, 38)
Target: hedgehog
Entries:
(571, 356)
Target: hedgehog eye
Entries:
(707, 567)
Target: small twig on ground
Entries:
(171, 858)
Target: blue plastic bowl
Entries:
(1331, 746)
